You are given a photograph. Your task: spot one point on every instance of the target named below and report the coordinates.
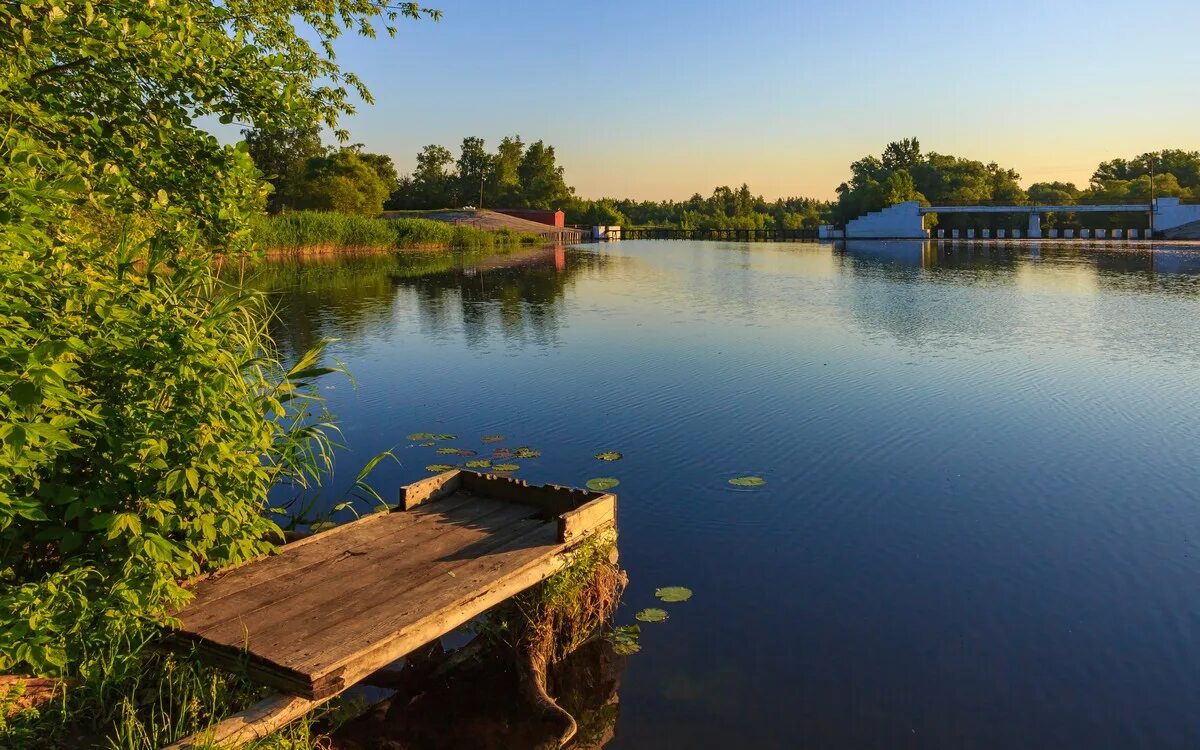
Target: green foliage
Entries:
(296, 231)
(610, 456)
(143, 412)
(602, 484)
(282, 155)
(342, 182)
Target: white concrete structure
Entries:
(901, 221)
(970, 234)
(1118, 234)
(954, 234)
(600, 232)
(905, 220)
(1134, 234)
(986, 233)
(1069, 233)
(1016, 234)
(1053, 233)
(941, 233)
(1170, 214)
(1084, 234)
(1101, 234)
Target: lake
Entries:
(981, 520)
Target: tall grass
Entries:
(307, 230)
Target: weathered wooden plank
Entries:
(433, 609)
(429, 489)
(406, 558)
(317, 549)
(303, 636)
(254, 723)
(578, 523)
(550, 498)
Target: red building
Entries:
(553, 218)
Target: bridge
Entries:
(1169, 218)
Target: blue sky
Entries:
(663, 99)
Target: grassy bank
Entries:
(312, 231)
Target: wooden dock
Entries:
(333, 608)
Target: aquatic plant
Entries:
(438, 468)
(673, 593)
(505, 467)
(601, 484)
(651, 614)
(610, 456)
(479, 463)
(297, 231)
(492, 438)
(526, 452)
(749, 481)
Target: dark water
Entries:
(981, 523)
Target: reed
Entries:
(303, 231)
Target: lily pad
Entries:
(600, 484)
(610, 456)
(448, 451)
(445, 437)
(465, 452)
(502, 453)
(673, 593)
(747, 481)
(479, 463)
(320, 526)
(421, 436)
(651, 614)
(439, 468)
(492, 438)
(427, 444)
(624, 639)
(526, 452)
(505, 467)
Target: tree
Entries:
(504, 183)
(474, 164)
(281, 154)
(433, 184)
(343, 182)
(901, 154)
(542, 182)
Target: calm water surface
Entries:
(981, 524)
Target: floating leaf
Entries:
(652, 614)
(444, 437)
(673, 593)
(492, 438)
(464, 452)
(502, 453)
(427, 444)
(439, 468)
(610, 456)
(747, 481)
(624, 639)
(505, 467)
(526, 452)
(600, 484)
(320, 526)
(479, 463)
(448, 451)
(421, 436)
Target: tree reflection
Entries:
(517, 295)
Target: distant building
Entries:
(552, 218)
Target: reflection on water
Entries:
(981, 523)
(480, 706)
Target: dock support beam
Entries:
(1035, 225)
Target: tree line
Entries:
(903, 173)
(306, 175)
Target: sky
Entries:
(657, 100)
